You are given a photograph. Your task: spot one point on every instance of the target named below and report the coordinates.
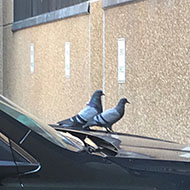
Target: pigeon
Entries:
(107, 118)
(93, 108)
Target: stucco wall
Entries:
(1, 47)
(7, 12)
(8, 51)
(96, 48)
(157, 65)
(157, 35)
(46, 92)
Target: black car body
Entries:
(36, 156)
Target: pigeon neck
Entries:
(96, 103)
(120, 108)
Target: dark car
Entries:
(36, 156)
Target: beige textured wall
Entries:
(8, 51)
(96, 32)
(47, 93)
(157, 66)
(1, 46)
(157, 37)
(7, 12)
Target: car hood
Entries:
(134, 146)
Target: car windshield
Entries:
(39, 127)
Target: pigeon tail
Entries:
(93, 108)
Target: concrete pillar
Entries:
(1, 46)
(95, 39)
(7, 40)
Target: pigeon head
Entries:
(121, 105)
(124, 101)
(98, 93)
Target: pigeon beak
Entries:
(103, 94)
(128, 102)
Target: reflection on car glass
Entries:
(34, 124)
(4, 138)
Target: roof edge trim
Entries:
(79, 9)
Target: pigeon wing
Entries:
(87, 113)
(107, 117)
(81, 118)
(110, 116)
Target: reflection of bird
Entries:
(109, 117)
(93, 108)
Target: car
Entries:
(34, 155)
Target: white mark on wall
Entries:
(32, 58)
(89, 47)
(67, 59)
(121, 60)
(152, 4)
(171, 3)
(103, 59)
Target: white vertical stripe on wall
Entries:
(103, 60)
(89, 72)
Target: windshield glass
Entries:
(37, 126)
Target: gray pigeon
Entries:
(109, 117)
(93, 108)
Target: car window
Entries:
(6, 152)
(36, 125)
